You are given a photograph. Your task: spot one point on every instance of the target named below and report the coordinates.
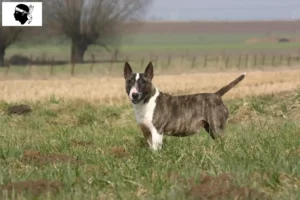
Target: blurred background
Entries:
(98, 36)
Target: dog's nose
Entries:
(135, 96)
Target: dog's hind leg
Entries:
(217, 121)
(209, 128)
(214, 130)
(217, 131)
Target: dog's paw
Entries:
(157, 146)
(157, 141)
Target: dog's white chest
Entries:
(144, 112)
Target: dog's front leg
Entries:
(154, 139)
(157, 139)
(147, 134)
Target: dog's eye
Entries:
(129, 81)
(144, 81)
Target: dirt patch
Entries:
(34, 188)
(19, 109)
(31, 156)
(221, 187)
(173, 176)
(81, 143)
(119, 151)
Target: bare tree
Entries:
(8, 36)
(88, 22)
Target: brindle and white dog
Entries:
(160, 113)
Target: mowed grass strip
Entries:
(68, 149)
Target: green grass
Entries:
(199, 42)
(260, 151)
(139, 45)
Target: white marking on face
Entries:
(134, 87)
(144, 115)
(137, 76)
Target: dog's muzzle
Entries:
(135, 98)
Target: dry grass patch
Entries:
(32, 156)
(119, 151)
(81, 143)
(110, 90)
(221, 187)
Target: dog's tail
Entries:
(228, 87)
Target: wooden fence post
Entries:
(227, 61)
(219, 59)
(142, 62)
(7, 68)
(205, 61)
(263, 59)
(30, 65)
(255, 60)
(169, 61)
(52, 66)
(273, 60)
(116, 55)
(246, 60)
(289, 60)
(194, 62)
(72, 67)
(93, 62)
(239, 61)
(182, 58)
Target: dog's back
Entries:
(186, 114)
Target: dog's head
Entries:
(138, 85)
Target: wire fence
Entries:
(223, 61)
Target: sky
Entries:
(224, 10)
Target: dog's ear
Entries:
(127, 70)
(149, 71)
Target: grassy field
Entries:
(81, 140)
(144, 45)
(194, 41)
(76, 149)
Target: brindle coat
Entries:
(182, 115)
